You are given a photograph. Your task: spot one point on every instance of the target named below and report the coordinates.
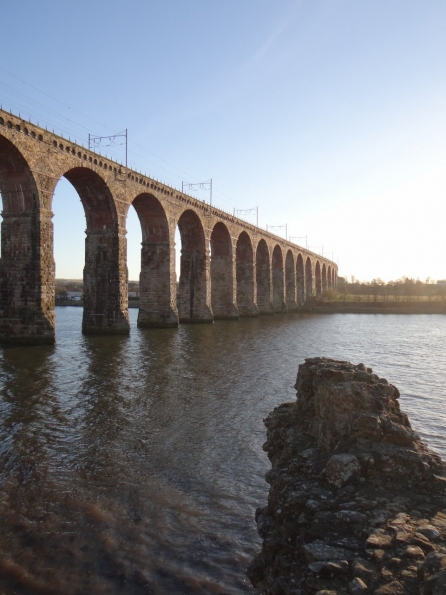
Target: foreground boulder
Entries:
(357, 502)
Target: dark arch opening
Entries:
(193, 296)
(324, 277)
(318, 278)
(300, 275)
(27, 263)
(290, 282)
(222, 274)
(329, 279)
(18, 188)
(263, 282)
(308, 278)
(245, 276)
(157, 280)
(278, 280)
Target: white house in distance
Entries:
(77, 295)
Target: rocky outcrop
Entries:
(357, 502)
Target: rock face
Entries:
(357, 503)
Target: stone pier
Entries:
(229, 268)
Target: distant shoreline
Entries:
(340, 307)
(418, 307)
(79, 304)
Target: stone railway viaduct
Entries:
(229, 268)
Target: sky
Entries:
(327, 115)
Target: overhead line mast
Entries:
(238, 212)
(94, 141)
(284, 226)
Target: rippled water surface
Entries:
(134, 464)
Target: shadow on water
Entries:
(28, 409)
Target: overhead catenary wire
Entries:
(84, 116)
(69, 127)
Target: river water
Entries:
(134, 464)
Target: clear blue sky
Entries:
(329, 116)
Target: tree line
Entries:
(63, 286)
(405, 288)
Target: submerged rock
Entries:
(357, 503)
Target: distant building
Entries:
(441, 282)
(74, 295)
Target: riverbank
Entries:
(80, 303)
(356, 502)
(340, 307)
(418, 307)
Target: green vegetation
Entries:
(66, 286)
(404, 289)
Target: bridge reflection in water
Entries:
(134, 464)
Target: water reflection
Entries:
(100, 409)
(30, 411)
(134, 464)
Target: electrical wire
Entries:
(42, 110)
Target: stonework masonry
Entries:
(357, 502)
(229, 268)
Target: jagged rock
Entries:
(429, 531)
(357, 587)
(341, 469)
(319, 550)
(363, 569)
(379, 540)
(357, 503)
(393, 588)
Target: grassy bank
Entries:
(77, 304)
(387, 307)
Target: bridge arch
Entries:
(309, 278)
(105, 271)
(26, 295)
(278, 274)
(263, 279)
(96, 198)
(193, 287)
(318, 278)
(157, 282)
(222, 273)
(246, 296)
(300, 279)
(18, 186)
(32, 161)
